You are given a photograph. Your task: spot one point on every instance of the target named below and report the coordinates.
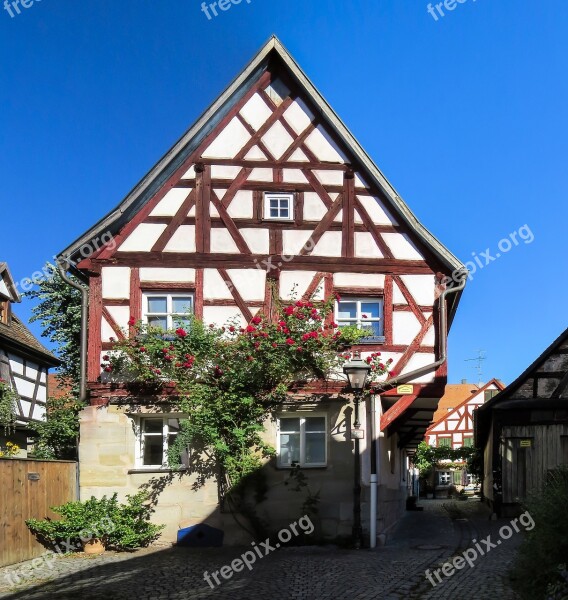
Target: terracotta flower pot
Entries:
(94, 546)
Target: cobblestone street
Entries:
(423, 540)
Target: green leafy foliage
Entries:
(59, 313)
(230, 379)
(119, 526)
(540, 567)
(57, 436)
(8, 406)
(427, 457)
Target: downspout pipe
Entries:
(375, 466)
(84, 330)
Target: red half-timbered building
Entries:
(267, 195)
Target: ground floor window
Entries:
(302, 440)
(444, 477)
(156, 434)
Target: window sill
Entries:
(376, 339)
(143, 470)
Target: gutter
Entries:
(84, 329)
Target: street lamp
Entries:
(357, 372)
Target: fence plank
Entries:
(23, 498)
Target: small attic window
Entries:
(278, 207)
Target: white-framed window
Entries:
(156, 434)
(166, 310)
(278, 206)
(365, 313)
(302, 440)
(444, 477)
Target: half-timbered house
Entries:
(24, 364)
(266, 195)
(523, 430)
(455, 430)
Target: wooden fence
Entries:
(27, 489)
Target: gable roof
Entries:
(18, 337)
(474, 394)
(454, 394)
(272, 51)
(527, 374)
(7, 286)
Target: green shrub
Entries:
(536, 572)
(118, 526)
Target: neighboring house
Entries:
(454, 429)
(523, 430)
(268, 192)
(24, 363)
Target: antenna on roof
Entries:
(479, 366)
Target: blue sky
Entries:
(467, 117)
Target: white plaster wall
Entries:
(120, 314)
(190, 173)
(241, 205)
(31, 369)
(397, 296)
(405, 327)
(376, 211)
(261, 175)
(258, 240)
(171, 202)
(314, 208)
(293, 176)
(106, 331)
(173, 275)
(298, 116)
(255, 112)
(115, 282)
(298, 156)
(229, 141)
(183, 240)
(142, 238)
(41, 393)
(365, 246)
(224, 171)
(255, 153)
(214, 288)
(249, 283)
(221, 315)
(329, 177)
(418, 361)
(359, 280)
(16, 364)
(293, 240)
(329, 244)
(321, 144)
(25, 388)
(302, 279)
(277, 140)
(223, 242)
(422, 288)
(401, 247)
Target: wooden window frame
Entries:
(359, 321)
(268, 196)
(141, 436)
(169, 295)
(302, 432)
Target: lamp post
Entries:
(357, 372)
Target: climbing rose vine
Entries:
(8, 400)
(229, 379)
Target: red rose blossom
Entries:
(181, 332)
(257, 320)
(132, 321)
(290, 342)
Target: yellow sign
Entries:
(526, 443)
(405, 389)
